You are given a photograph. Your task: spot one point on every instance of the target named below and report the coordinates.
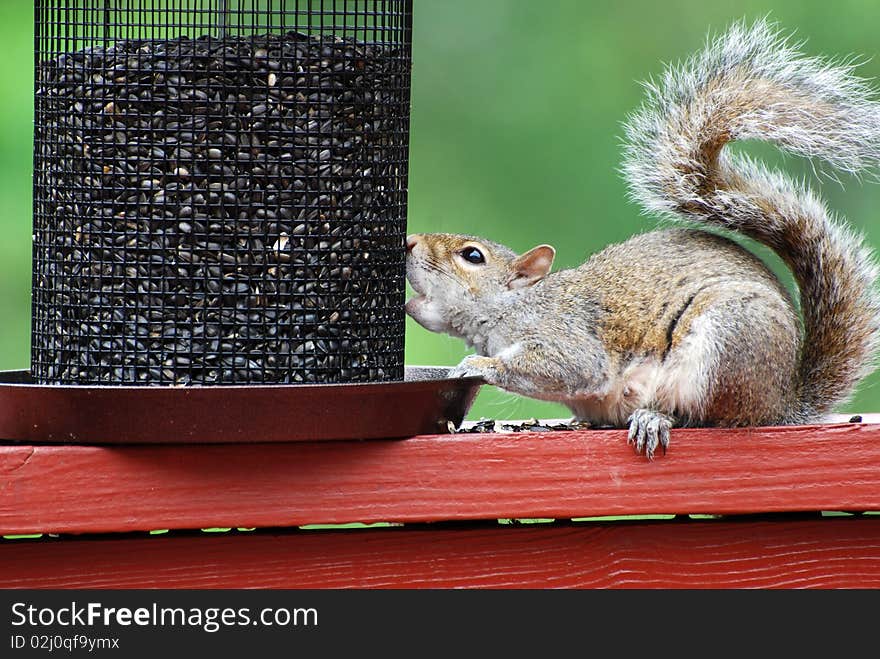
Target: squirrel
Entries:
(682, 326)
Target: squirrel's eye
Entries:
(472, 255)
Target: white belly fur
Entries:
(635, 387)
(676, 386)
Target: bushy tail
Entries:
(752, 84)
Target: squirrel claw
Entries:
(472, 366)
(649, 429)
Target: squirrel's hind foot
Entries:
(649, 429)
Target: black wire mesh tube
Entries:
(220, 191)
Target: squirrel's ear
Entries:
(531, 267)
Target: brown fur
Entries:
(644, 282)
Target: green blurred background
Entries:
(516, 122)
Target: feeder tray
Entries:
(424, 402)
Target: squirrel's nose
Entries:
(411, 241)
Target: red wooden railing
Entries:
(443, 496)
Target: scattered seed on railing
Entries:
(530, 425)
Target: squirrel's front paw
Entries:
(475, 366)
(647, 430)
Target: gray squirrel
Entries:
(681, 326)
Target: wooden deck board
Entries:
(778, 553)
(88, 489)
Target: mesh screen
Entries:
(220, 191)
